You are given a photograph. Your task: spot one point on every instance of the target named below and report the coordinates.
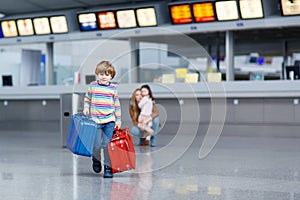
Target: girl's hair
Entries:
(105, 67)
(149, 89)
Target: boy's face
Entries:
(104, 78)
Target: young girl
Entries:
(146, 106)
(102, 103)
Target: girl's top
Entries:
(146, 106)
(103, 102)
(134, 109)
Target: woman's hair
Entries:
(149, 89)
(105, 67)
(134, 104)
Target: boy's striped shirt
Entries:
(104, 104)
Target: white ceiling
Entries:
(19, 7)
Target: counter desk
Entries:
(236, 104)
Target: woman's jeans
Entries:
(103, 136)
(135, 131)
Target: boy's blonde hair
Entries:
(105, 67)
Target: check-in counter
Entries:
(27, 108)
(238, 105)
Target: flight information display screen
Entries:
(181, 14)
(9, 28)
(59, 24)
(290, 7)
(87, 22)
(226, 10)
(203, 12)
(251, 9)
(126, 18)
(25, 27)
(107, 20)
(146, 17)
(41, 25)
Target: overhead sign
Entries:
(25, 27)
(9, 28)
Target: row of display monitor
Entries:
(223, 10)
(34, 26)
(212, 11)
(180, 13)
(129, 18)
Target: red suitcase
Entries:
(121, 151)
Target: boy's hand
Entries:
(86, 111)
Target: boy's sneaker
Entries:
(107, 172)
(96, 165)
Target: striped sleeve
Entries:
(117, 108)
(88, 97)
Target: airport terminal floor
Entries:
(33, 165)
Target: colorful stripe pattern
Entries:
(104, 104)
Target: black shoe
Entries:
(96, 165)
(107, 172)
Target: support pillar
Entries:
(49, 64)
(229, 56)
(133, 75)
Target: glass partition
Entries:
(11, 60)
(69, 58)
(79, 58)
(169, 62)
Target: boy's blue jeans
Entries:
(103, 136)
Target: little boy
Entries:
(102, 103)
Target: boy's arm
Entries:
(117, 109)
(87, 101)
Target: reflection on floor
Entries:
(34, 166)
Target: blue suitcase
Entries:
(81, 135)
